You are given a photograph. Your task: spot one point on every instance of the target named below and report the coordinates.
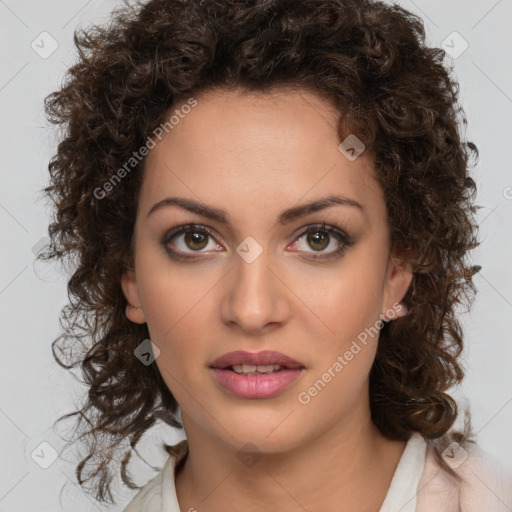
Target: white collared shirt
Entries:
(418, 484)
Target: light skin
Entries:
(254, 156)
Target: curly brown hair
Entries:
(370, 60)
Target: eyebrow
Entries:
(284, 217)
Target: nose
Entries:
(256, 298)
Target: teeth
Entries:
(249, 369)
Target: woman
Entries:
(270, 210)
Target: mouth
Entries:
(256, 375)
(264, 362)
(255, 385)
(248, 369)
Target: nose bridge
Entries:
(255, 297)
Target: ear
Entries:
(398, 280)
(131, 293)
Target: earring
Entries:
(133, 307)
(403, 311)
(395, 313)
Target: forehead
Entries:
(284, 121)
(271, 150)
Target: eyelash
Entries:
(340, 236)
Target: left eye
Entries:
(320, 237)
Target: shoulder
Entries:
(484, 485)
(150, 497)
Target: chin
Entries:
(271, 436)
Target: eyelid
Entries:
(321, 226)
(183, 228)
(341, 236)
(344, 239)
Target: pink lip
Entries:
(256, 386)
(265, 357)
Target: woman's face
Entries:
(250, 278)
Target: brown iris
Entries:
(196, 237)
(317, 237)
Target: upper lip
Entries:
(263, 358)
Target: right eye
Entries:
(188, 239)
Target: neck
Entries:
(347, 468)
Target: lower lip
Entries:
(256, 386)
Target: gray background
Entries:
(35, 390)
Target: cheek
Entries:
(172, 294)
(350, 306)
(176, 326)
(344, 356)
(178, 314)
(349, 300)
